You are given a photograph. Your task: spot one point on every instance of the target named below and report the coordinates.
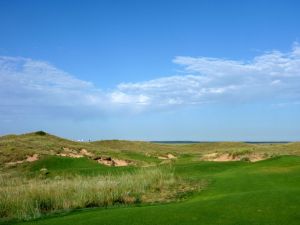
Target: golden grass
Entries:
(22, 198)
(18, 147)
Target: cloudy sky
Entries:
(147, 70)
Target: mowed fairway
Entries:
(238, 193)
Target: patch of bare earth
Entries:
(30, 158)
(74, 154)
(168, 156)
(86, 153)
(225, 157)
(109, 161)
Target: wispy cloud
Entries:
(36, 87)
(272, 76)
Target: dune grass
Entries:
(23, 198)
(240, 193)
(17, 147)
(68, 167)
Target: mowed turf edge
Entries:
(242, 193)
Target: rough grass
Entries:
(265, 192)
(240, 193)
(68, 167)
(23, 198)
(17, 147)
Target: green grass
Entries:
(64, 166)
(237, 193)
(16, 147)
(265, 192)
(23, 198)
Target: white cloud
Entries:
(270, 64)
(36, 87)
(271, 76)
(122, 98)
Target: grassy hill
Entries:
(17, 147)
(164, 183)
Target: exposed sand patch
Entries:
(168, 156)
(14, 163)
(108, 161)
(120, 162)
(74, 154)
(71, 155)
(29, 158)
(32, 158)
(86, 153)
(225, 157)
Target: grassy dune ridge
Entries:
(16, 147)
(234, 192)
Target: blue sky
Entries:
(151, 70)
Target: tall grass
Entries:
(21, 198)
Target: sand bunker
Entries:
(108, 161)
(168, 156)
(32, 158)
(86, 153)
(225, 157)
(70, 154)
(74, 154)
(29, 158)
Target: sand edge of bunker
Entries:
(227, 157)
(29, 158)
(104, 160)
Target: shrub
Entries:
(41, 133)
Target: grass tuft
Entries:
(31, 198)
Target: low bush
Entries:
(41, 133)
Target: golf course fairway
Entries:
(238, 193)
